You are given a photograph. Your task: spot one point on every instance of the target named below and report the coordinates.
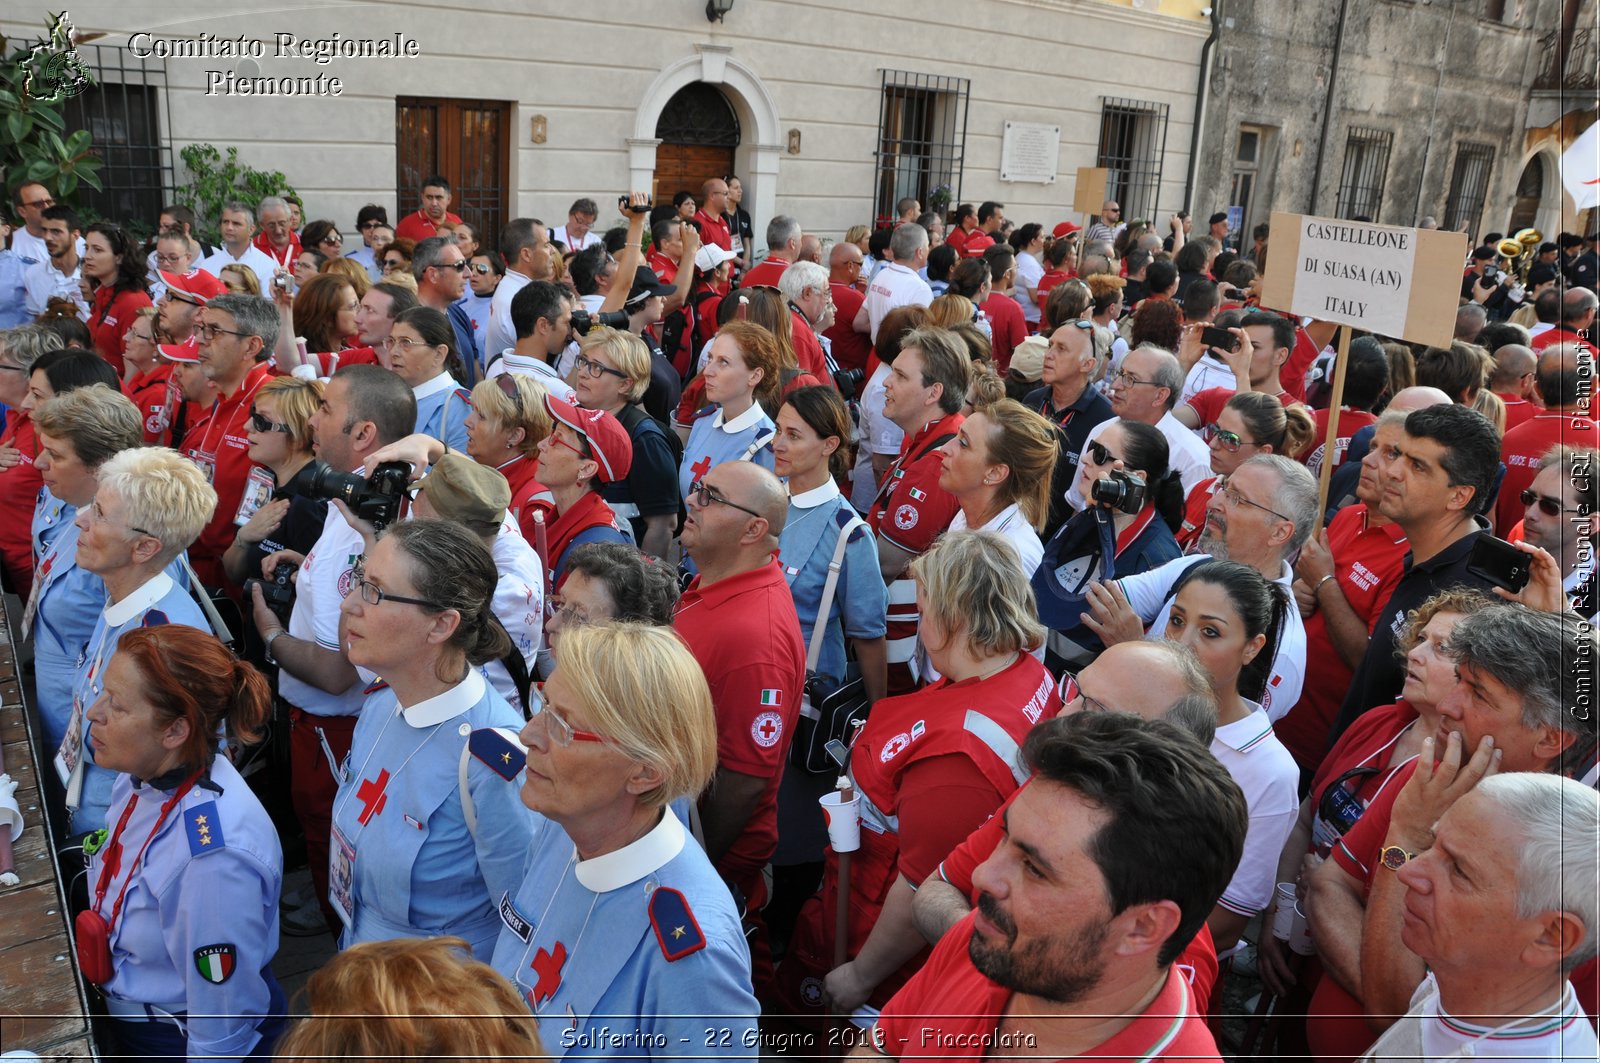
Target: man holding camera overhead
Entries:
(363, 408)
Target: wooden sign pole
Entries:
(1330, 452)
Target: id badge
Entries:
(258, 490)
(341, 876)
(70, 752)
(208, 465)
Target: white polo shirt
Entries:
(893, 285)
(1270, 779)
(256, 260)
(326, 576)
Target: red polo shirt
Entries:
(1350, 422)
(528, 496)
(418, 226)
(808, 349)
(1367, 563)
(666, 269)
(957, 238)
(744, 632)
(217, 443)
(713, 230)
(950, 1010)
(1293, 373)
(109, 317)
(1521, 450)
(1194, 513)
(851, 349)
(1007, 328)
(154, 394)
(911, 509)
(19, 492)
(766, 272)
(1560, 334)
(1518, 410)
(264, 245)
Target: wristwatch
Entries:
(1394, 857)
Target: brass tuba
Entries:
(1521, 249)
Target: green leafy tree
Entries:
(215, 180)
(35, 83)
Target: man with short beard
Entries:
(1113, 857)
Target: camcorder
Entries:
(641, 208)
(583, 321)
(278, 592)
(1121, 491)
(375, 499)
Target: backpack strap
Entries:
(825, 606)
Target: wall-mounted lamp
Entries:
(794, 142)
(715, 9)
(540, 129)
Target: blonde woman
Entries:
(999, 468)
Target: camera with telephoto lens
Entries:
(374, 499)
(1121, 491)
(583, 321)
(278, 592)
(848, 381)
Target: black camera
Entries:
(1491, 275)
(583, 321)
(641, 208)
(1121, 491)
(848, 381)
(277, 592)
(374, 499)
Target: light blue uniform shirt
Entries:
(13, 293)
(68, 601)
(51, 517)
(713, 441)
(199, 923)
(442, 408)
(586, 943)
(160, 600)
(418, 870)
(805, 549)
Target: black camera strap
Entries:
(517, 668)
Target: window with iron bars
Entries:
(1469, 184)
(1366, 165)
(1133, 142)
(922, 138)
(122, 112)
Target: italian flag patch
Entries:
(918, 493)
(772, 697)
(216, 962)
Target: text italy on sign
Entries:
(1400, 283)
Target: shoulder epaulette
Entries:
(204, 828)
(677, 932)
(499, 749)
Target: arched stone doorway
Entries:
(1530, 190)
(699, 134)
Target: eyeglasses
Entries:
(560, 731)
(284, 224)
(589, 367)
(555, 438)
(704, 494)
(1550, 507)
(1100, 455)
(98, 515)
(1125, 379)
(210, 332)
(261, 424)
(403, 344)
(508, 387)
(372, 594)
(129, 335)
(1229, 492)
(171, 259)
(1071, 690)
(41, 203)
(1230, 441)
(569, 615)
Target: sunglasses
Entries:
(1100, 455)
(1230, 441)
(459, 267)
(508, 387)
(1550, 507)
(479, 268)
(261, 424)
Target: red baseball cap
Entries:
(199, 284)
(187, 351)
(608, 440)
(1066, 228)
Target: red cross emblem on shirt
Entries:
(701, 467)
(372, 795)
(768, 728)
(548, 965)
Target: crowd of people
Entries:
(540, 589)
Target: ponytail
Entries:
(1255, 676)
(1166, 494)
(250, 706)
(1299, 432)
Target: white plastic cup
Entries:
(844, 821)
(1283, 914)
(1300, 933)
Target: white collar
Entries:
(443, 382)
(1245, 734)
(747, 419)
(143, 597)
(634, 861)
(1002, 518)
(452, 702)
(816, 496)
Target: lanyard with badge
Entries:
(69, 756)
(93, 929)
(342, 851)
(258, 488)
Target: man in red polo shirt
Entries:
(277, 238)
(1007, 326)
(1070, 950)
(232, 331)
(923, 395)
(435, 211)
(739, 621)
(850, 348)
(783, 250)
(1515, 380)
(1577, 318)
(1566, 382)
(709, 218)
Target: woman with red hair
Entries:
(182, 922)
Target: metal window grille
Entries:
(124, 112)
(699, 114)
(1366, 165)
(922, 139)
(1469, 183)
(1133, 143)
